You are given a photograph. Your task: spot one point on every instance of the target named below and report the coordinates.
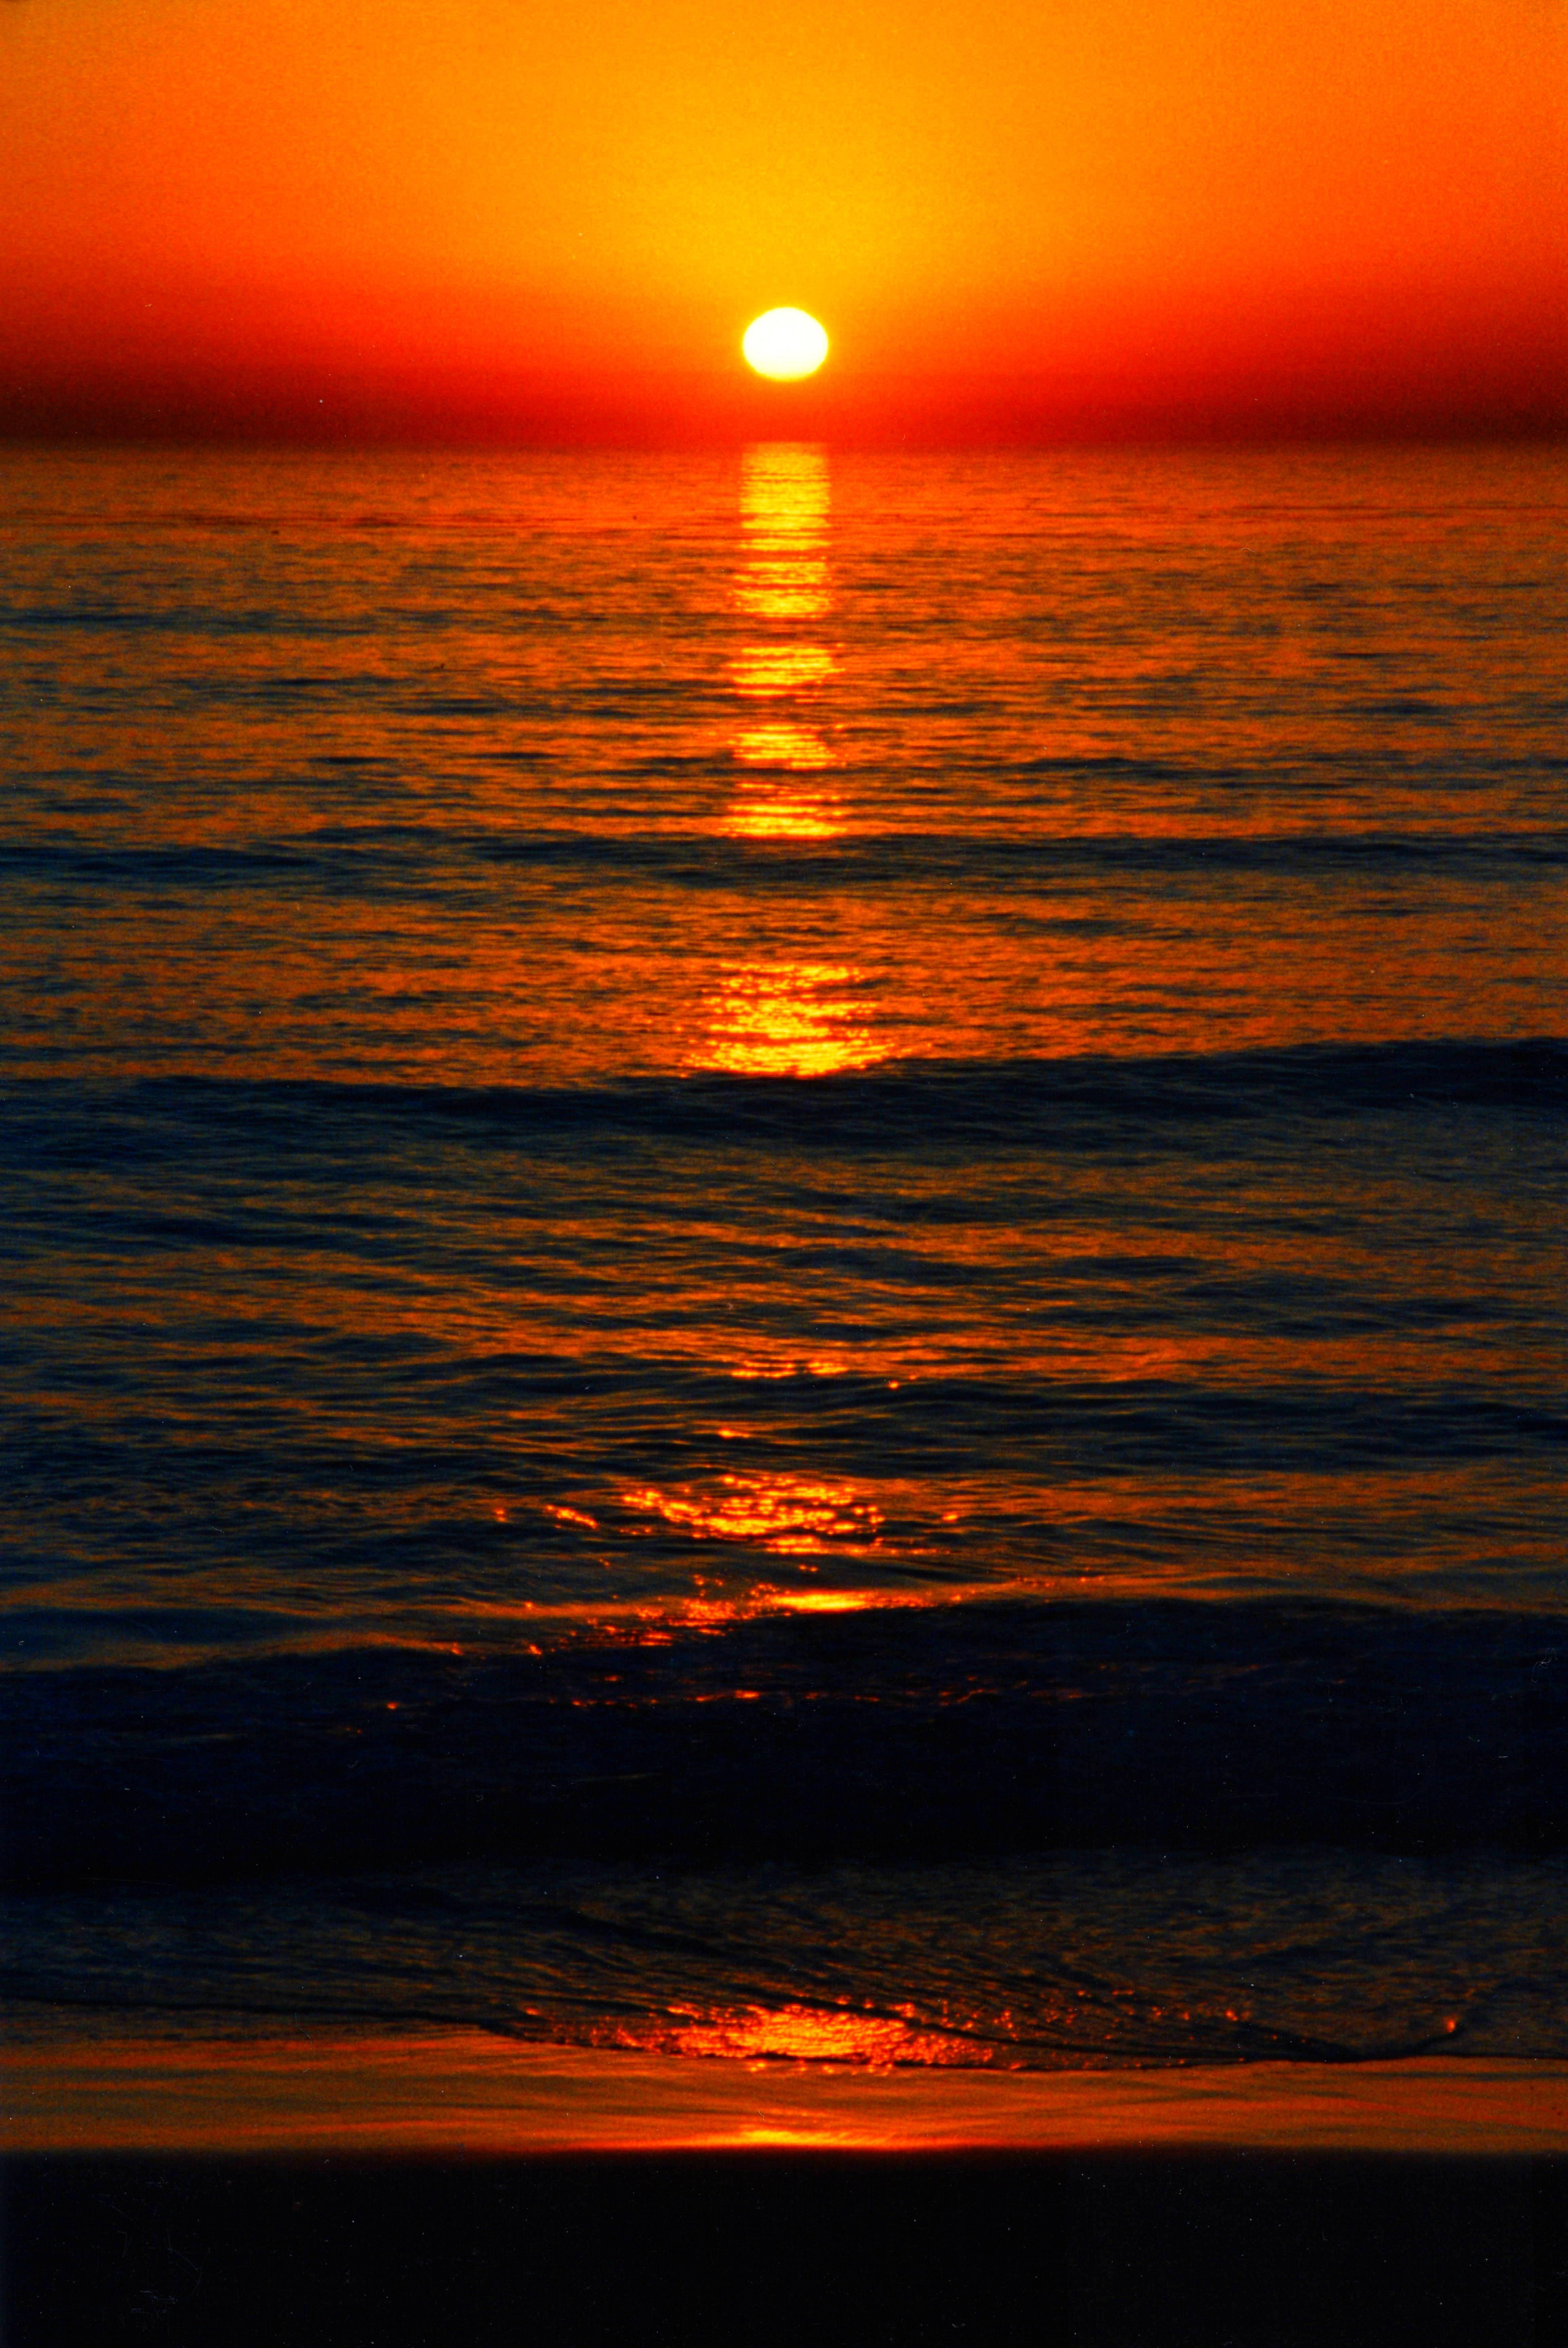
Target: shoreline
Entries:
(443, 2093)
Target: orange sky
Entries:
(1063, 215)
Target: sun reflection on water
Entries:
(764, 672)
(805, 2033)
(779, 818)
(784, 1014)
(798, 747)
(788, 1019)
(784, 498)
(789, 1515)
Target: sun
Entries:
(784, 343)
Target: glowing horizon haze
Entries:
(1039, 218)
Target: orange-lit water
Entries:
(798, 1166)
(468, 771)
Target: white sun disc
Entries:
(784, 343)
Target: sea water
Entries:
(785, 1250)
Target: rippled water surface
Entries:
(783, 1241)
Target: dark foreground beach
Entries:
(1122, 2250)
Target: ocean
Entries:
(784, 1253)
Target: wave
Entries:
(352, 858)
(1270, 1104)
(924, 1733)
(1037, 1103)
